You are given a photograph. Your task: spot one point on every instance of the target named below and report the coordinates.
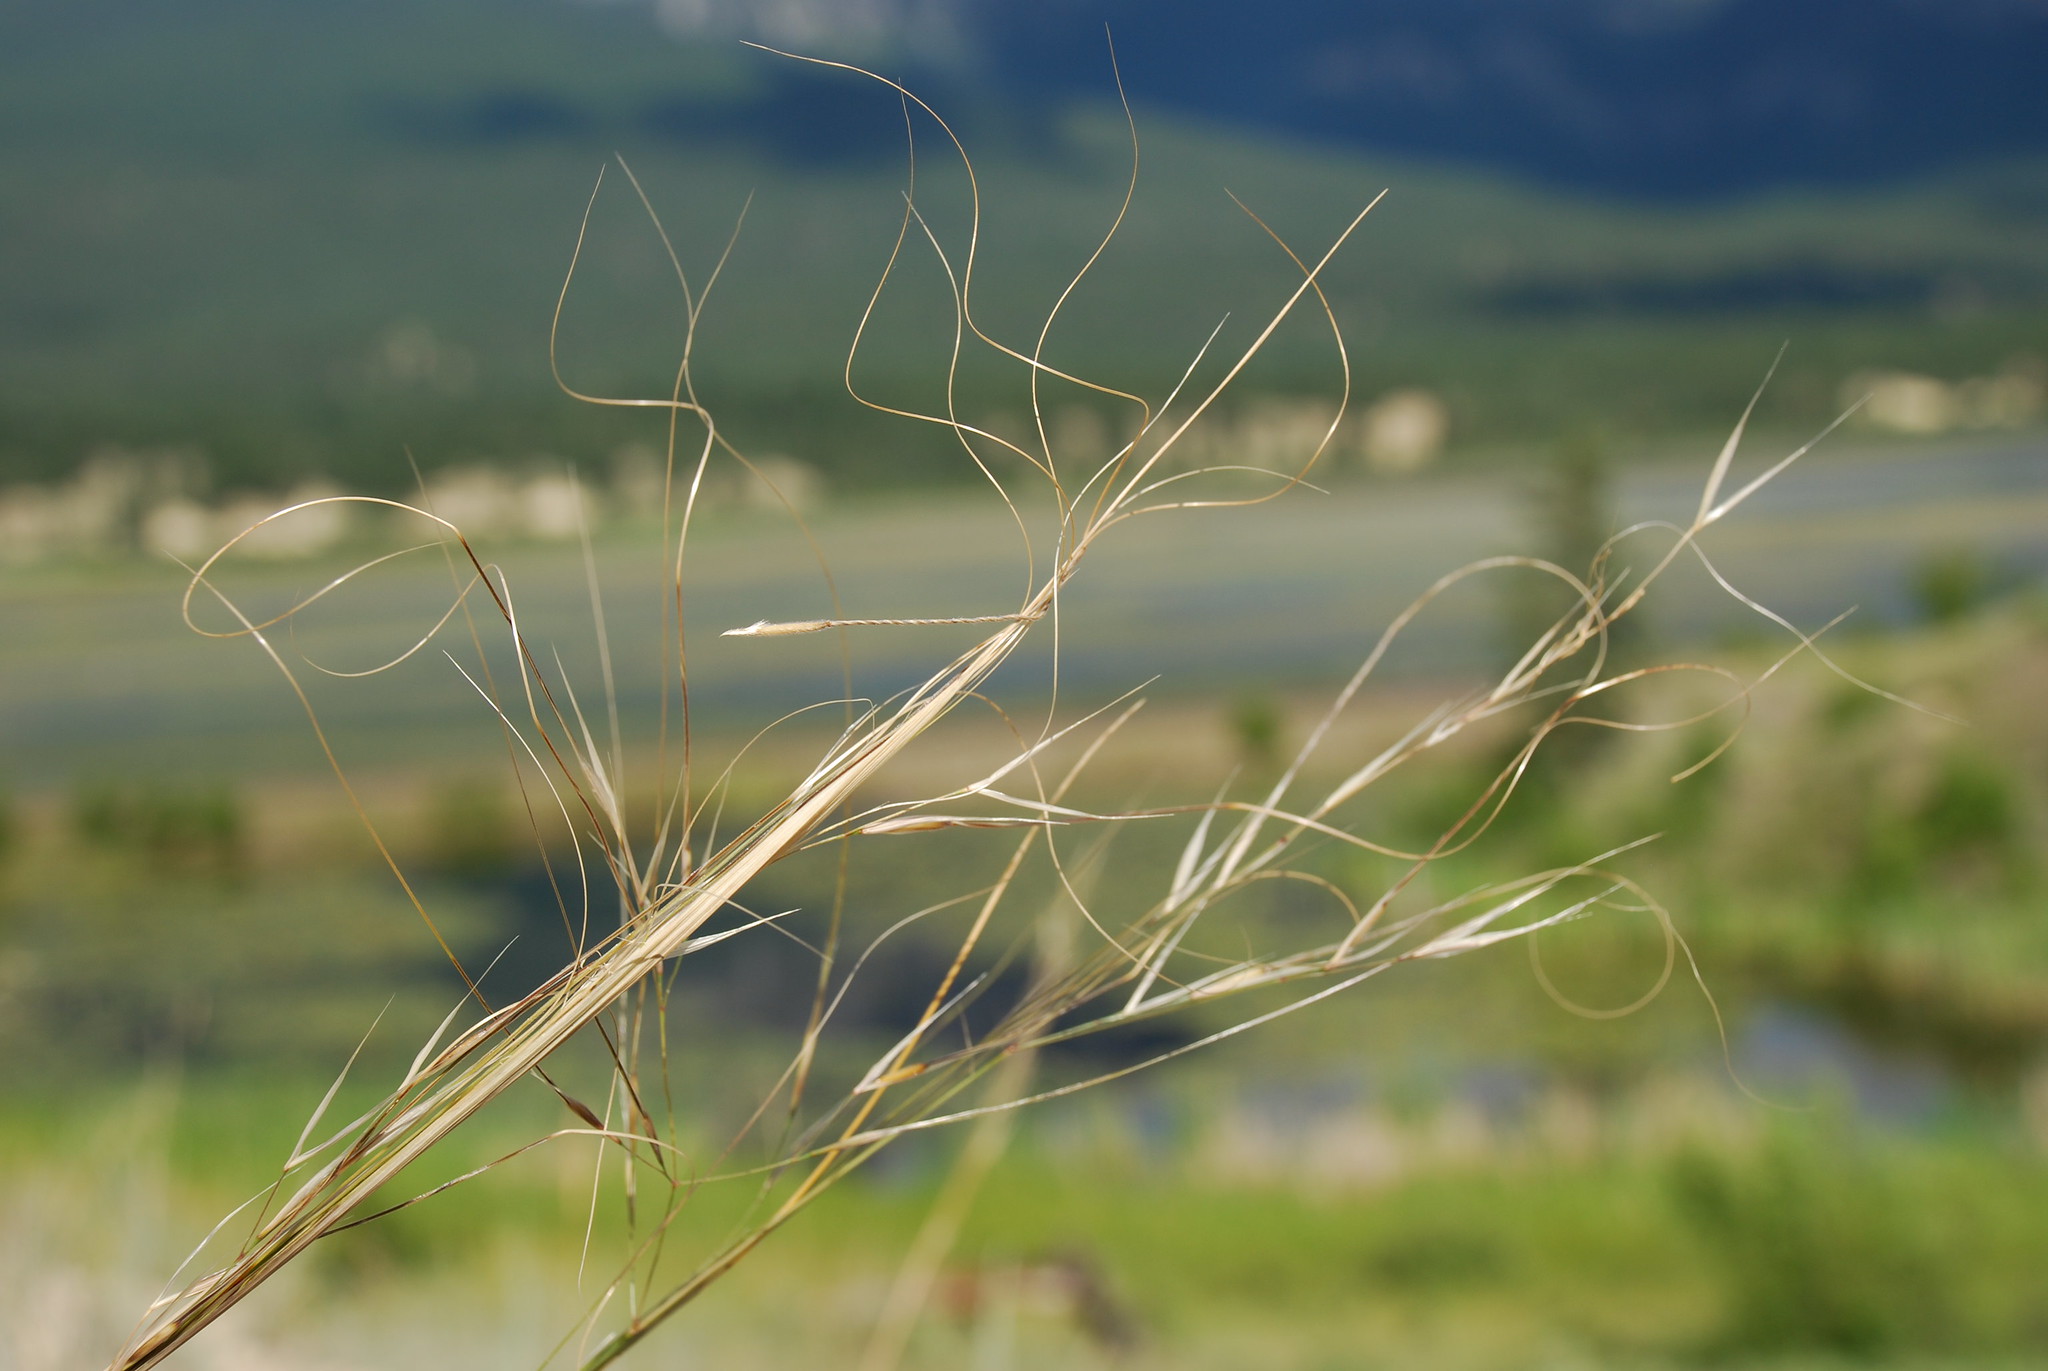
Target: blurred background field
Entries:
(253, 253)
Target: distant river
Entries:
(98, 677)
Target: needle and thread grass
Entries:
(1123, 967)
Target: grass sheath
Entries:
(1126, 968)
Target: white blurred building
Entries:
(1403, 431)
(1909, 402)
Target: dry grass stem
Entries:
(673, 878)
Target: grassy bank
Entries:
(1797, 1243)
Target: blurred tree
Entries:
(1951, 585)
(1255, 728)
(189, 830)
(469, 828)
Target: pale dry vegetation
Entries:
(656, 861)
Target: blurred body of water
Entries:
(98, 676)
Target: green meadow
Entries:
(1815, 1147)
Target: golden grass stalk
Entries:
(1137, 967)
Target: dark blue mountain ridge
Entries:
(1656, 99)
(1650, 98)
(1635, 98)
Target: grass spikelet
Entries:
(674, 876)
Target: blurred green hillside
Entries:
(296, 239)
